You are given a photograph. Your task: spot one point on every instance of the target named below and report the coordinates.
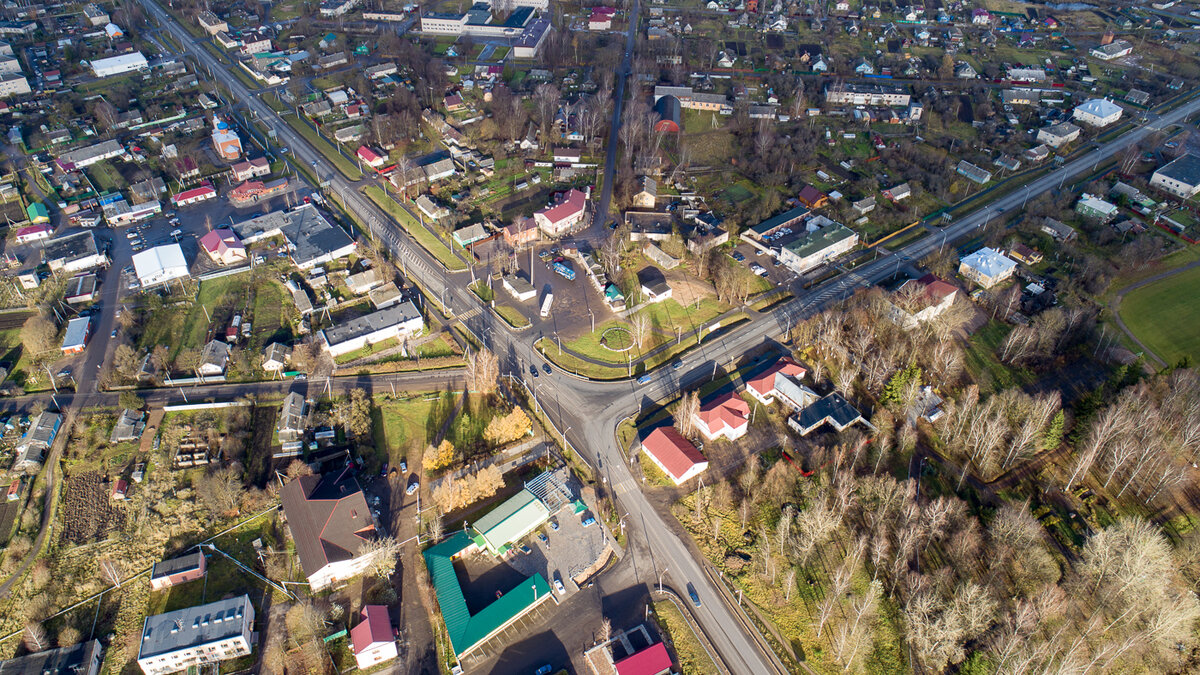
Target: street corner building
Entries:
(194, 636)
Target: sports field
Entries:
(1165, 316)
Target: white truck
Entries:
(546, 304)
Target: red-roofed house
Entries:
(567, 211)
(254, 168)
(726, 416)
(812, 197)
(601, 18)
(920, 300)
(453, 103)
(674, 454)
(33, 233)
(653, 660)
(223, 246)
(370, 157)
(373, 639)
(781, 381)
(120, 488)
(194, 195)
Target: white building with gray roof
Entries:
(393, 322)
(191, 637)
(1180, 177)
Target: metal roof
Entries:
(192, 626)
(515, 517)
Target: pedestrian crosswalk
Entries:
(468, 315)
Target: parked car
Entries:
(412, 487)
(544, 539)
(404, 466)
(525, 548)
(546, 368)
(589, 521)
(554, 524)
(758, 269)
(545, 670)
(533, 370)
(558, 585)
(676, 364)
(113, 334)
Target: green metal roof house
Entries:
(467, 631)
(516, 517)
(38, 213)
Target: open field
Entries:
(1164, 315)
(688, 650)
(422, 234)
(406, 424)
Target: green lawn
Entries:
(512, 315)
(401, 425)
(105, 177)
(689, 652)
(983, 364)
(417, 231)
(1165, 316)
(183, 326)
(348, 169)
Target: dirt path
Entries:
(1115, 305)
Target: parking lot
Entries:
(562, 549)
(775, 272)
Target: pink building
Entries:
(373, 640)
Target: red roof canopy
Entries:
(650, 661)
(676, 453)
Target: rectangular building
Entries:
(867, 94)
(78, 331)
(394, 322)
(193, 636)
(1180, 177)
(818, 246)
(117, 65)
(81, 659)
(168, 573)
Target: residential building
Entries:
(223, 246)
(833, 409)
(521, 233)
(95, 16)
(1091, 206)
(129, 426)
(370, 157)
(469, 234)
(84, 658)
(1058, 230)
(118, 65)
(1179, 177)
(867, 94)
(256, 45)
(385, 296)
(1057, 135)
(1098, 112)
(75, 338)
(330, 522)
(13, 84)
(653, 284)
(1022, 74)
(252, 168)
(31, 449)
(363, 281)
(828, 241)
(812, 197)
(87, 156)
(373, 640)
(213, 358)
(647, 194)
(311, 239)
(33, 233)
(276, 357)
(921, 300)
(674, 454)
(898, 193)
(189, 637)
(781, 382)
(338, 7)
(1020, 96)
(394, 322)
(293, 421)
(75, 252)
(1113, 50)
(727, 416)
(568, 210)
(254, 191)
(986, 267)
(431, 209)
(160, 265)
(168, 573)
(1022, 253)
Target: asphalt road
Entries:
(588, 412)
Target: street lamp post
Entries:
(660, 579)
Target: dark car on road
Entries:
(546, 368)
(533, 370)
(693, 595)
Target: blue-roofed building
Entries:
(987, 267)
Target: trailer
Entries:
(546, 304)
(564, 270)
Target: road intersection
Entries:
(587, 412)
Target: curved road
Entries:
(587, 411)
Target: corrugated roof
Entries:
(516, 516)
(467, 631)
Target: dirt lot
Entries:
(88, 512)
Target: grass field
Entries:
(348, 169)
(513, 316)
(688, 650)
(417, 231)
(403, 424)
(1164, 315)
(184, 326)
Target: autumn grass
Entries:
(401, 424)
(688, 651)
(985, 367)
(512, 316)
(345, 166)
(654, 475)
(416, 230)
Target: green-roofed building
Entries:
(38, 213)
(823, 244)
(518, 516)
(468, 632)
